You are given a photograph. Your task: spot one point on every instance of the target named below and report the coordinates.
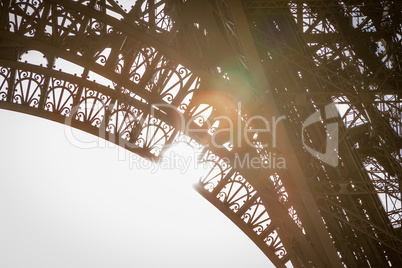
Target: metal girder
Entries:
(273, 4)
(279, 58)
(123, 113)
(328, 254)
(293, 50)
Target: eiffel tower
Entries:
(295, 105)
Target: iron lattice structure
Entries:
(106, 67)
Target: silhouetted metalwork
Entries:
(106, 68)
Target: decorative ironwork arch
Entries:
(140, 76)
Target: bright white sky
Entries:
(63, 206)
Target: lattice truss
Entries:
(140, 74)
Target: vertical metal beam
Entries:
(322, 243)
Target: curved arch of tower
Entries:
(297, 105)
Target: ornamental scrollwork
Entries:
(140, 76)
(68, 24)
(60, 96)
(185, 102)
(4, 82)
(168, 81)
(125, 121)
(257, 216)
(236, 192)
(24, 16)
(141, 63)
(279, 188)
(273, 240)
(154, 135)
(28, 87)
(217, 169)
(92, 107)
